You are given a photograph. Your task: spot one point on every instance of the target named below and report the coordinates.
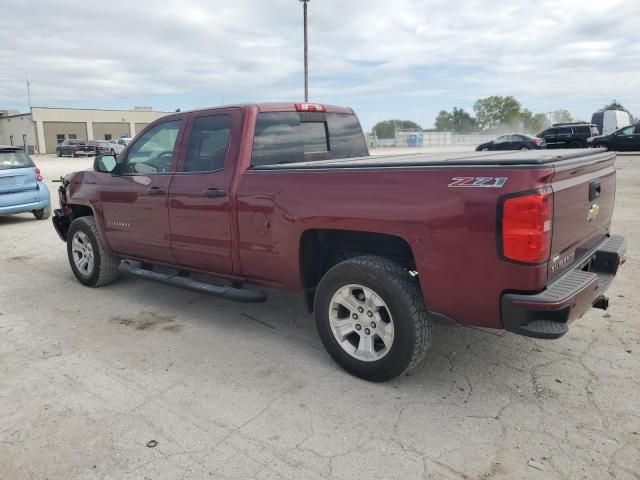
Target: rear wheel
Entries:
(42, 213)
(602, 145)
(524, 147)
(371, 318)
(90, 262)
(485, 149)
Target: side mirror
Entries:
(104, 163)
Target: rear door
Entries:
(199, 195)
(135, 201)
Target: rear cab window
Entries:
(10, 159)
(293, 137)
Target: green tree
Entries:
(562, 116)
(494, 111)
(614, 105)
(387, 128)
(457, 121)
(462, 121)
(444, 121)
(532, 123)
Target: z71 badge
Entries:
(481, 182)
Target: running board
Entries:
(230, 293)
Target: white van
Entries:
(608, 121)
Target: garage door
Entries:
(140, 127)
(110, 130)
(55, 132)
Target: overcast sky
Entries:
(404, 59)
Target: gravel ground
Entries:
(222, 390)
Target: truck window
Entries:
(153, 151)
(208, 143)
(291, 137)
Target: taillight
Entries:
(310, 107)
(38, 176)
(538, 141)
(526, 227)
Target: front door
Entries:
(626, 139)
(134, 201)
(199, 196)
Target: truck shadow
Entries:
(458, 354)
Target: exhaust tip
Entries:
(602, 302)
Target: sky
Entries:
(404, 59)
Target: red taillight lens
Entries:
(38, 176)
(526, 227)
(310, 107)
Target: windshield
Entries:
(14, 159)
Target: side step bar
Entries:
(230, 293)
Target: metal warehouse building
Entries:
(44, 128)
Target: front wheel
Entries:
(602, 145)
(90, 262)
(524, 147)
(371, 318)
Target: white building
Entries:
(44, 128)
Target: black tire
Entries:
(524, 147)
(401, 294)
(42, 213)
(105, 266)
(602, 145)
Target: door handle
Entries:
(214, 193)
(156, 191)
(594, 190)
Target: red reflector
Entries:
(38, 176)
(310, 107)
(526, 227)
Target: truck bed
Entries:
(529, 158)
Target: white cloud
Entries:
(402, 58)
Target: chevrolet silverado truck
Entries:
(228, 200)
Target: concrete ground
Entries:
(141, 381)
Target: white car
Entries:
(117, 146)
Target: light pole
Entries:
(306, 54)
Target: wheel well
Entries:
(80, 211)
(322, 249)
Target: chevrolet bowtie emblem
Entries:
(594, 211)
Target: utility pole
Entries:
(306, 52)
(26, 77)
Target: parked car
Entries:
(68, 147)
(21, 186)
(513, 141)
(608, 121)
(91, 148)
(117, 147)
(625, 139)
(568, 135)
(286, 196)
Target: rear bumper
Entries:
(43, 201)
(549, 313)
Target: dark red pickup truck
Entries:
(286, 196)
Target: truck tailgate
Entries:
(583, 200)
